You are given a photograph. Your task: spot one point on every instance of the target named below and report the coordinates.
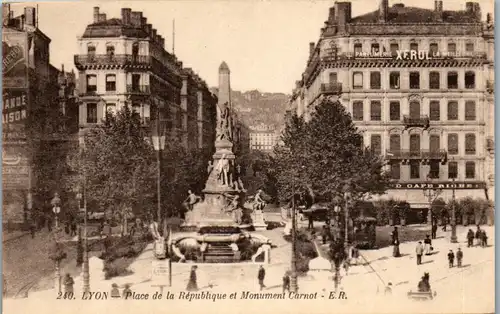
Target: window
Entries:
(394, 80)
(357, 80)
(414, 46)
(394, 111)
(453, 144)
(452, 170)
(452, 110)
(394, 49)
(452, 80)
(470, 144)
(434, 80)
(332, 77)
(414, 143)
(375, 48)
(376, 144)
(414, 169)
(469, 47)
(110, 82)
(136, 80)
(110, 109)
(434, 143)
(135, 52)
(434, 169)
(375, 80)
(358, 49)
(91, 113)
(395, 143)
(470, 110)
(136, 108)
(470, 170)
(452, 48)
(110, 51)
(470, 80)
(91, 83)
(434, 110)
(357, 111)
(415, 110)
(433, 48)
(414, 80)
(396, 170)
(375, 111)
(91, 52)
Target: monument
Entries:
(216, 225)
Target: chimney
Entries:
(96, 14)
(135, 18)
(438, 10)
(126, 16)
(343, 10)
(144, 22)
(102, 17)
(162, 42)
(477, 11)
(153, 34)
(30, 16)
(311, 48)
(331, 15)
(383, 11)
(149, 29)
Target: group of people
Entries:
(480, 236)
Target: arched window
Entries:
(414, 143)
(415, 110)
(434, 143)
(395, 143)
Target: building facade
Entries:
(263, 137)
(419, 86)
(123, 61)
(38, 117)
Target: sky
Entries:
(265, 43)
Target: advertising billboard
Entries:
(14, 115)
(15, 167)
(14, 59)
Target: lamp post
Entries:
(55, 202)
(431, 193)
(453, 238)
(158, 139)
(347, 198)
(293, 281)
(336, 278)
(85, 264)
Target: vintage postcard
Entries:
(248, 156)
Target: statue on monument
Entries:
(223, 168)
(224, 123)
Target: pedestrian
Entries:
(127, 292)
(484, 238)
(49, 223)
(451, 258)
(73, 227)
(460, 255)
(286, 282)
(419, 250)
(444, 223)
(192, 283)
(32, 224)
(434, 230)
(346, 266)
(427, 245)
(395, 242)
(311, 221)
(470, 238)
(68, 284)
(324, 234)
(260, 276)
(66, 227)
(478, 235)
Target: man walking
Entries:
(460, 255)
(434, 230)
(261, 275)
(451, 258)
(470, 238)
(419, 250)
(286, 282)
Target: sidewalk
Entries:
(9, 236)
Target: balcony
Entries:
(393, 154)
(138, 89)
(83, 61)
(421, 121)
(438, 154)
(412, 154)
(331, 89)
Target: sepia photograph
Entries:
(278, 156)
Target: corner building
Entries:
(124, 61)
(419, 86)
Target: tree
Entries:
(326, 155)
(119, 165)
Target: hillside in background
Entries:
(254, 107)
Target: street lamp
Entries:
(55, 202)
(293, 281)
(347, 198)
(158, 139)
(79, 196)
(431, 193)
(453, 238)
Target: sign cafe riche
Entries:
(442, 185)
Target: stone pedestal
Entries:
(258, 220)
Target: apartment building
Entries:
(124, 61)
(419, 86)
(263, 137)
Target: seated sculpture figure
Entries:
(424, 285)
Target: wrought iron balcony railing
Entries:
(410, 121)
(138, 89)
(92, 59)
(438, 154)
(331, 88)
